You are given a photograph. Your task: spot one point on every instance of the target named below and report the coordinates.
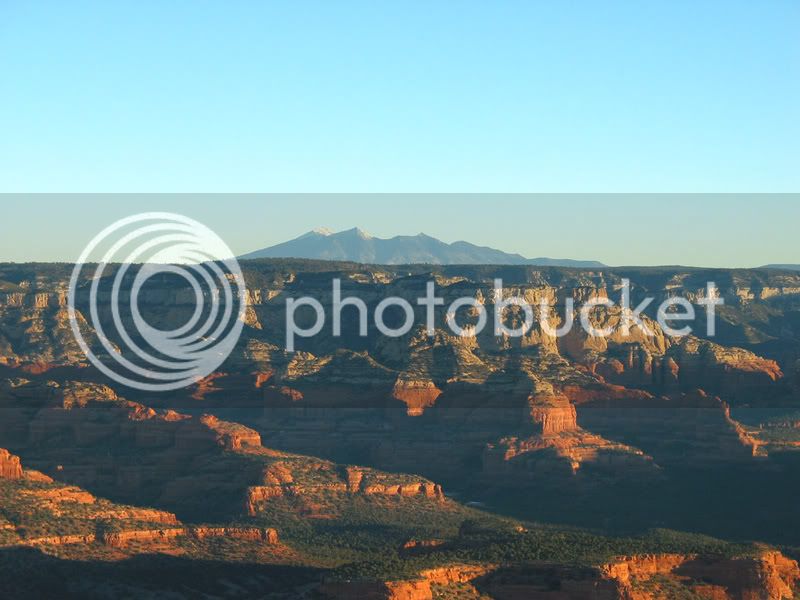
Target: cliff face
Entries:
(769, 576)
(36, 334)
(36, 510)
(10, 467)
(121, 539)
(279, 481)
(690, 428)
(379, 590)
(85, 434)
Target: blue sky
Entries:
(518, 96)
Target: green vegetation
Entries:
(30, 509)
(362, 538)
(540, 543)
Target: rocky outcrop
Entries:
(549, 581)
(416, 395)
(10, 467)
(405, 490)
(124, 538)
(120, 539)
(333, 480)
(172, 459)
(557, 448)
(421, 547)
(768, 576)
(628, 569)
(733, 373)
(379, 590)
(253, 534)
(456, 573)
(60, 540)
(552, 414)
(231, 436)
(537, 459)
(372, 483)
(690, 428)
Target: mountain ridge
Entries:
(356, 245)
(782, 267)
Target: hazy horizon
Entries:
(704, 230)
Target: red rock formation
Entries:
(353, 480)
(552, 414)
(206, 386)
(602, 392)
(456, 573)
(148, 536)
(60, 540)
(262, 378)
(409, 490)
(419, 547)
(231, 436)
(379, 590)
(10, 467)
(735, 374)
(643, 567)
(697, 423)
(256, 496)
(120, 539)
(416, 395)
(769, 576)
(254, 534)
(557, 447)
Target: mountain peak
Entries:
(357, 232)
(356, 245)
(316, 233)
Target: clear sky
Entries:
(428, 96)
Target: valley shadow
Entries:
(734, 503)
(30, 573)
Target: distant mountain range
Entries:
(783, 267)
(355, 245)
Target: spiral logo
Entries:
(154, 270)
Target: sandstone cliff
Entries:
(10, 467)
